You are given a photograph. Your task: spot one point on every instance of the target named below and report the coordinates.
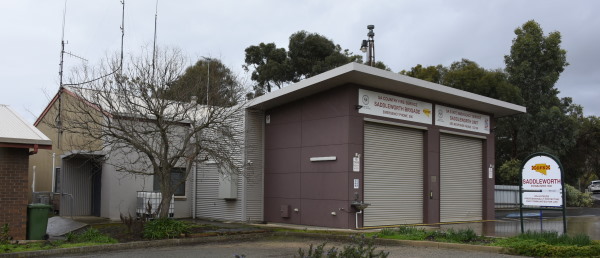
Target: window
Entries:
(177, 176)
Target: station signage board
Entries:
(386, 105)
(461, 119)
(541, 182)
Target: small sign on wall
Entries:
(356, 163)
(461, 119)
(386, 105)
(356, 183)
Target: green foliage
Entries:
(462, 236)
(584, 159)
(575, 198)
(509, 173)
(469, 76)
(4, 236)
(361, 246)
(308, 54)
(271, 67)
(551, 244)
(90, 235)
(535, 64)
(165, 228)
(208, 77)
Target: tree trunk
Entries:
(165, 203)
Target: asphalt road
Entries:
(287, 247)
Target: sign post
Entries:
(542, 186)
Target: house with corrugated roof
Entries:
(19, 140)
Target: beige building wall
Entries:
(66, 142)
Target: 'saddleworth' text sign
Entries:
(380, 104)
(461, 119)
(542, 182)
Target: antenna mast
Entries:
(154, 47)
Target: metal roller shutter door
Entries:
(461, 195)
(393, 175)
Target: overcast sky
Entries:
(406, 33)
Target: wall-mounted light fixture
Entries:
(329, 158)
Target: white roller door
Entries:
(460, 178)
(393, 175)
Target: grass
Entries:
(529, 244)
(87, 238)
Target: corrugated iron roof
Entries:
(15, 129)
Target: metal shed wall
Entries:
(248, 206)
(76, 176)
(254, 159)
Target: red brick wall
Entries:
(13, 190)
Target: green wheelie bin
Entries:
(37, 220)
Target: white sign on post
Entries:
(542, 182)
(386, 105)
(461, 119)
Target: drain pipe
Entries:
(360, 212)
(194, 190)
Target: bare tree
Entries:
(119, 112)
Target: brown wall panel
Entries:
(318, 213)
(339, 151)
(324, 186)
(488, 183)
(273, 210)
(333, 103)
(325, 131)
(319, 127)
(285, 185)
(280, 136)
(431, 177)
(289, 113)
(283, 160)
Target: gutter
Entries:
(35, 149)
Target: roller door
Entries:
(461, 191)
(393, 175)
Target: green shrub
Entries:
(575, 198)
(387, 232)
(165, 228)
(509, 172)
(4, 236)
(553, 238)
(551, 244)
(91, 235)
(461, 236)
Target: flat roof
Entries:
(15, 129)
(386, 81)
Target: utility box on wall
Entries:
(228, 186)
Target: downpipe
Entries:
(356, 217)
